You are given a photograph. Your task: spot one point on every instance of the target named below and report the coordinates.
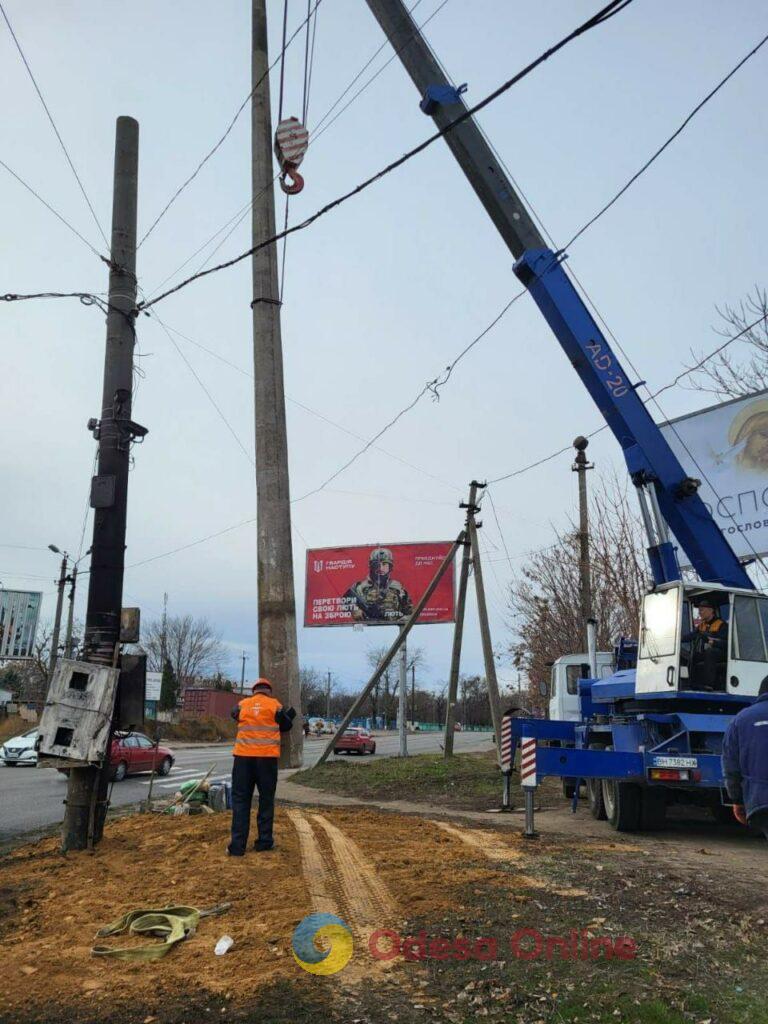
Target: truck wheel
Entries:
(653, 809)
(595, 799)
(622, 805)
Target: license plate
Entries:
(675, 762)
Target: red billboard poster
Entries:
(377, 584)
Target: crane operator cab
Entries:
(703, 638)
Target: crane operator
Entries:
(709, 648)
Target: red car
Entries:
(134, 752)
(355, 740)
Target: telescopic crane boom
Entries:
(668, 496)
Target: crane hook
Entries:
(291, 142)
(296, 183)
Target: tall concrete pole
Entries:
(57, 619)
(485, 632)
(402, 713)
(580, 466)
(458, 631)
(87, 789)
(278, 653)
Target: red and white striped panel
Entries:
(506, 743)
(528, 761)
(291, 141)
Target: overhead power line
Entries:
(54, 211)
(652, 395)
(684, 124)
(597, 19)
(236, 220)
(53, 125)
(227, 131)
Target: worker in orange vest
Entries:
(260, 721)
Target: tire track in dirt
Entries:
(319, 883)
(369, 900)
(343, 882)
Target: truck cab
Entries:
(673, 655)
(564, 683)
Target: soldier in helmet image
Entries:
(379, 598)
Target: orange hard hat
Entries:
(262, 683)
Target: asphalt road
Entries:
(32, 798)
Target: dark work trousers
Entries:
(249, 773)
(759, 820)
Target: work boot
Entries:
(235, 853)
(262, 845)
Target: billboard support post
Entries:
(388, 657)
(458, 632)
(402, 714)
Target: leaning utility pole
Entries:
(278, 653)
(458, 629)
(86, 805)
(57, 620)
(580, 466)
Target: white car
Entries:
(20, 750)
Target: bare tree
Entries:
(544, 599)
(726, 375)
(192, 646)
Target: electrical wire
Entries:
(53, 125)
(591, 23)
(321, 127)
(314, 412)
(684, 124)
(54, 211)
(431, 387)
(242, 213)
(207, 393)
(229, 128)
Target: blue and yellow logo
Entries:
(336, 938)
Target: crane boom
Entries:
(653, 466)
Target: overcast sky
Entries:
(379, 296)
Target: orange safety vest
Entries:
(258, 734)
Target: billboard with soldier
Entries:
(377, 584)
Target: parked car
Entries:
(133, 752)
(355, 740)
(20, 750)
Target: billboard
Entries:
(153, 685)
(726, 447)
(19, 614)
(377, 584)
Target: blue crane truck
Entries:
(648, 736)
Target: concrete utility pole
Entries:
(278, 653)
(86, 805)
(57, 619)
(243, 659)
(485, 631)
(458, 630)
(402, 706)
(580, 466)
